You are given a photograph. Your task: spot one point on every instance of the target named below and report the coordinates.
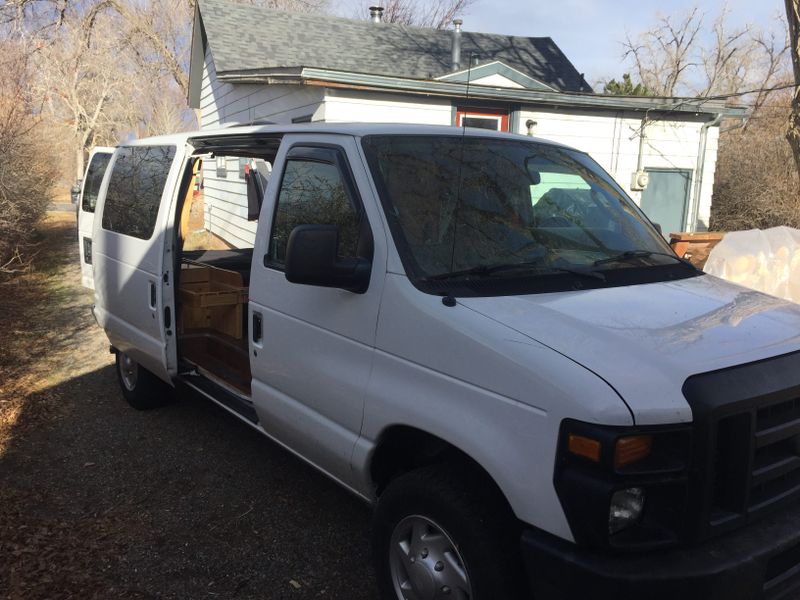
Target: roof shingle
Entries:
(248, 38)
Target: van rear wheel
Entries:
(141, 389)
(438, 535)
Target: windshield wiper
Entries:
(489, 270)
(634, 254)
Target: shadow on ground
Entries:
(99, 500)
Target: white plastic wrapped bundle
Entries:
(767, 261)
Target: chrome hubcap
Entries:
(128, 370)
(425, 563)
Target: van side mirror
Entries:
(658, 228)
(312, 258)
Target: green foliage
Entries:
(626, 88)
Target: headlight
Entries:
(623, 487)
(626, 509)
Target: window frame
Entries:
(318, 153)
(107, 156)
(499, 116)
(117, 154)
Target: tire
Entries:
(141, 389)
(470, 539)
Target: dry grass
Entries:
(47, 334)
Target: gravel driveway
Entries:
(98, 500)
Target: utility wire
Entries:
(700, 100)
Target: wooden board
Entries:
(212, 298)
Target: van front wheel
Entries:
(436, 536)
(140, 387)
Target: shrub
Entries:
(27, 167)
(756, 182)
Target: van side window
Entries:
(313, 193)
(94, 177)
(134, 190)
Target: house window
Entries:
(482, 118)
(221, 164)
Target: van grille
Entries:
(746, 444)
(756, 460)
(776, 454)
(782, 575)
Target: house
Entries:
(250, 64)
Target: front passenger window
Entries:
(313, 193)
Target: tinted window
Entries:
(457, 204)
(313, 193)
(135, 188)
(94, 177)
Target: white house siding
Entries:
(224, 103)
(611, 138)
(346, 106)
(613, 141)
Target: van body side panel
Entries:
(311, 367)
(490, 391)
(129, 286)
(90, 188)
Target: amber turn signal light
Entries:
(632, 449)
(584, 446)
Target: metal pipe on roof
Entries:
(375, 14)
(456, 50)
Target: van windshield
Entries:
(489, 208)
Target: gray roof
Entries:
(247, 38)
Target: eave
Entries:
(544, 98)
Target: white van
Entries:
(86, 201)
(479, 333)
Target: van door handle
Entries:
(257, 327)
(153, 294)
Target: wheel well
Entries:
(401, 449)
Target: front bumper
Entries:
(758, 562)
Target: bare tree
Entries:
(161, 109)
(663, 55)
(436, 14)
(159, 26)
(726, 63)
(85, 83)
(774, 70)
(672, 57)
(162, 25)
(793, 132)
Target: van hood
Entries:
(646, 340)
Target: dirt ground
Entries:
(98, 500)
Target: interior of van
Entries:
(223, 189)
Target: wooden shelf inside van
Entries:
(212, 298)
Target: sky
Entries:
(589, 32)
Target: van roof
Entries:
(353, 129)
